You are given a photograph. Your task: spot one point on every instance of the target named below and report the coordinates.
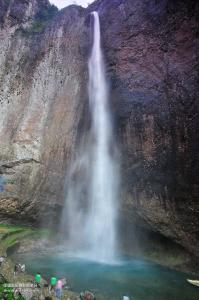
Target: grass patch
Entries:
(10, 235)
(10, 228)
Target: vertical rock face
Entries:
(152, 56)
(16, 12)
(42, 95)
(151, 50)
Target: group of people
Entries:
(55, 285)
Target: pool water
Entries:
(138, 279)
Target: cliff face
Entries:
(42, 96)
(151, 50)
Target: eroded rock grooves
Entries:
(151, 51)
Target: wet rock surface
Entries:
(151, 51)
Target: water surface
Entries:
(139, 279)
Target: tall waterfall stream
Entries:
(92, 226)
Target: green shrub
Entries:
(47, 14)
(36, 27)
(42, 19)
(7, 2)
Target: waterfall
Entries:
(91, 204)
(102, 214)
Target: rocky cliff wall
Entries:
(151, 51)
(42, 95)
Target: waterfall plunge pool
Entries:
(136, 278)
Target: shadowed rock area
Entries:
(151, 51)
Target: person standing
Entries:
(58, 289)
(53, 282)
(38, 279)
